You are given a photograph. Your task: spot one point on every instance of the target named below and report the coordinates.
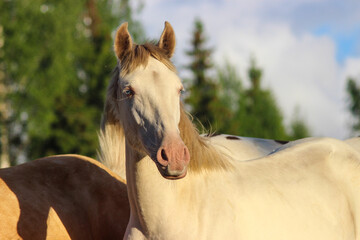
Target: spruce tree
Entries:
(298, 128)
(230, 91)
(259, 114)
(353, 92)
(202, 98)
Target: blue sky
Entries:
(306, 48)
(347, 41)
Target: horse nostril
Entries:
(163, 155)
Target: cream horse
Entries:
(185, 186)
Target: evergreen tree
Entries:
(203, 98)
(353, 92)
(298, 128)
(253, 111)
(230, 91)
(57, 58)
(259, 115)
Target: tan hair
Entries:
(139, 56)
(203, 156)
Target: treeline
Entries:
(56, 60)
(221, 102)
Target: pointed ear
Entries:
(123, 42)
(167, 40)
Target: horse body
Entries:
(185, 186)
(244, 148)
(62, 197)
(287, 195)
(354, 142)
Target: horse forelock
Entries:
(139, 56)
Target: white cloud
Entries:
(351, 68)
(300, 70)
(300, 67)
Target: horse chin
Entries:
(164, 171)
(175, 177)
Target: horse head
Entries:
(147, 93)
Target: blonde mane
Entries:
(203, 155)
(112, 138)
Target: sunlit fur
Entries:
(307, 189)
(62, 197)
(203, 155)
(354, 142)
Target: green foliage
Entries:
(230, 92)
(58, 58)
(203, 95)
(353, 92)
(55, 62)
(298, 128)
(263, 118)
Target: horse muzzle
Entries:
(173, 158)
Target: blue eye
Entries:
(182, 91)
(128, 92)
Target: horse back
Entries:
(68, 196)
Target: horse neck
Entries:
(148, 191)
(155, 200)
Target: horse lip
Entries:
(164, 172)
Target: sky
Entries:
(306, 49)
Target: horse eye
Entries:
(128, 92)
(182, 90)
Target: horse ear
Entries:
(123, 42)
(167, 40)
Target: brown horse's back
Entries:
(62, 197)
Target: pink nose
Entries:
(173, 155)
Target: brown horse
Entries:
(62, 197)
